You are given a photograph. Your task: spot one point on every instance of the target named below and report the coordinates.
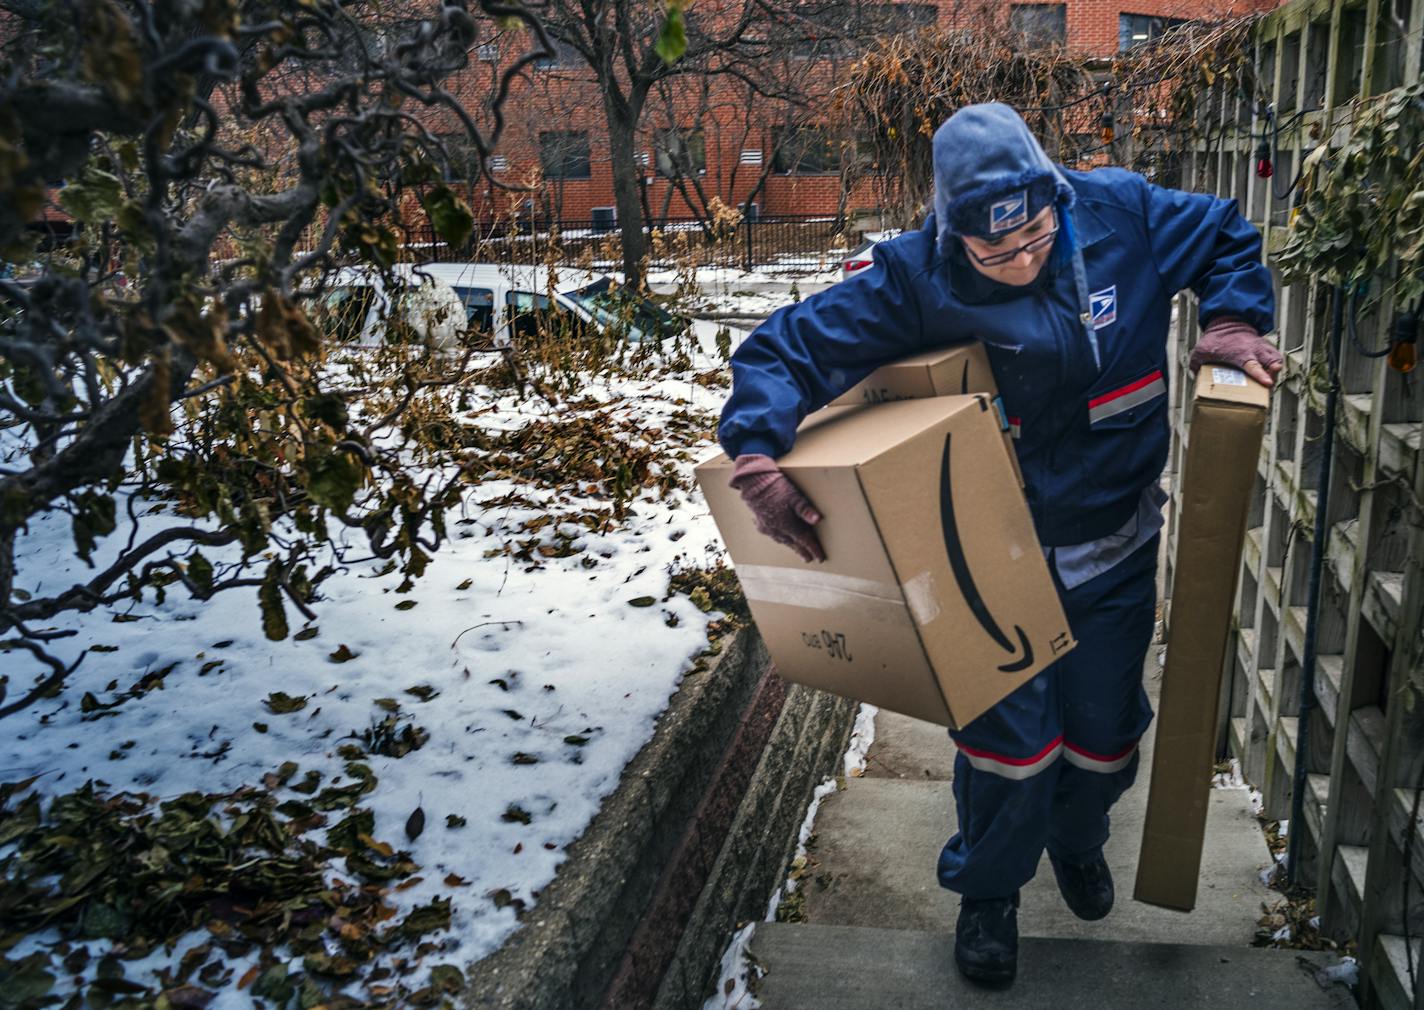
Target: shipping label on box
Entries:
(935, 600)
(1228, 420)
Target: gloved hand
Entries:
(1228, 340)
(782, 512)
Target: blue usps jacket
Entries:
(1090, 438)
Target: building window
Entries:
(680, 152)
(803, 150)
(1135, 29)
(881, 19)
(464, 158)
(604, 218)
(563, 154)
(565, 55)
(1040, 24)
(820, 33)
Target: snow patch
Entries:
(1230, 779)
(1347, 972)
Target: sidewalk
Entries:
(879, 929)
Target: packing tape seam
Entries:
(818, 599)
(797, 578)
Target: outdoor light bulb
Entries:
(1404, 334)
(1401, 358)
(1107, 128)
(1264, 168)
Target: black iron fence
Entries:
(776, 244)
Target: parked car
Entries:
(355, 308)
(509, 301)
(490, 303)
(859, 258)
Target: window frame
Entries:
(1033, 33)
(566, 159)
(780, 151)
(1157, 25)
(694, 138)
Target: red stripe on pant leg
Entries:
(1089, 761)
(1004, 759)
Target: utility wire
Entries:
(1355, 293)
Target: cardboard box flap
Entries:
(851, 436)
(956, 370)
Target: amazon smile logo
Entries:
(959, 564)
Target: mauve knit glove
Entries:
(1235, 342)
(781, 510)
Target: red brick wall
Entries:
(563, 99)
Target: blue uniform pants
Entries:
(1042, 768)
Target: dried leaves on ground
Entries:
(92, 881)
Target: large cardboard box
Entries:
(1223, 444)
(934, 599)
(944, 371)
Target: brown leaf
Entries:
(343, 654)
(455, 880)
(281, 703)
(415, 823)
(188, 997)
(155, 412)
(384, 848)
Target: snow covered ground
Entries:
(746, 294)
(535, 680)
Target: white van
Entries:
(507, 301)
(354, 307)
(486, 303)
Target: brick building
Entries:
(701, 140)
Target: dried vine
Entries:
(1140, 111)
(1361, 209)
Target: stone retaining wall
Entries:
(694, 839)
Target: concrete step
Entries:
(811, 967)
(876, 844)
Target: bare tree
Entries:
(630, 48)
(221, 160)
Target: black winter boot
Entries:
(986, 939)
(1087, 888)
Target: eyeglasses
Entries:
(998, 259)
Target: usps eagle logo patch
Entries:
(1008, 214)
(1104, 306)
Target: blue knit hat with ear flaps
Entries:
(991, 176)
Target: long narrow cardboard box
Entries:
(1223, 445)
